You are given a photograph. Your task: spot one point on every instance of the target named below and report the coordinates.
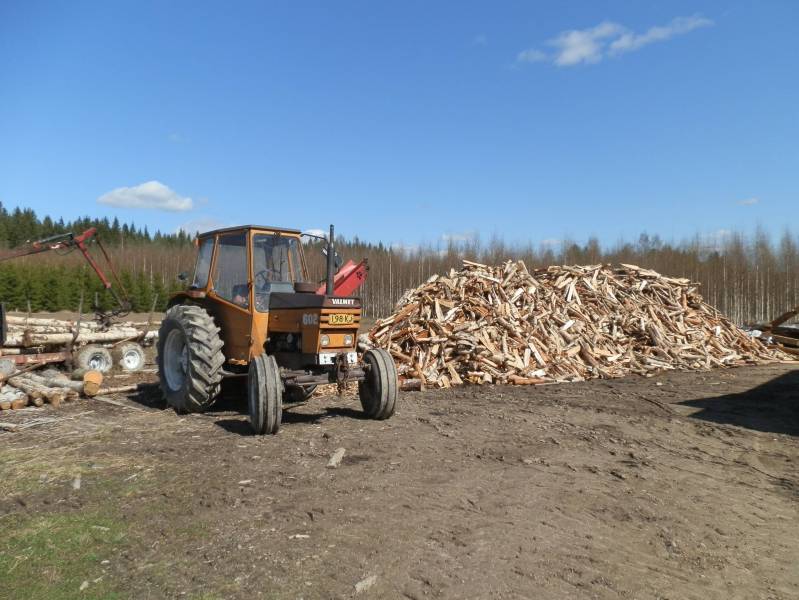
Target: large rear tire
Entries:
(264, 394)
(190, 358)
(378, 392)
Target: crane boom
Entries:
(70, 241)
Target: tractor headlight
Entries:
(348, 340)
(325, 339)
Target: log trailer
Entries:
(250, 311)
(130, 355)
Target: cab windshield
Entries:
(276, 266)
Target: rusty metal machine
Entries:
(251, 311)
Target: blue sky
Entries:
(406, 122)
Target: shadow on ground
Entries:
(241, 426)
(772, 407)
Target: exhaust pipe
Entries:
(331, 263)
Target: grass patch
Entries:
(49, 557)
(37, 471)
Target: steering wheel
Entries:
(265, 275)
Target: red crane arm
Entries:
(349, 278)
(70, 240)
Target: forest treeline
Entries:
(747, 277)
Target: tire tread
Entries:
(205, 358)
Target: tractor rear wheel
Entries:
(190, 358)
(378, 392)
(264, 394)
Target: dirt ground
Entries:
(680, 486)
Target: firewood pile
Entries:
(28, 340)
(24, 332)
(504, 324)
(21, 388)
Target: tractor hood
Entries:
(282, 300)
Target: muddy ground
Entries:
(680, 486)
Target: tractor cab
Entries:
(253, 281)
(249, 264)
(273, 257)
(250, 310)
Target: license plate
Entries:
(341, 319)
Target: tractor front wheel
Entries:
(264, 394)
(378, 392)
(190, 358)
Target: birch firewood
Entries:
(87, 323)
(37, 392)
(29, 338)
(56, 381)
(505, 324)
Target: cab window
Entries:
(203, 266)
(230, 269)
(276, 266)
(276, 258)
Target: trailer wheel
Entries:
(7, 368)
(130, 357)
(190, 358)
(378, 392)
(94, 358)
(264, 394)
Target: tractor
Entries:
(251, 311)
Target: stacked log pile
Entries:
(780, 335)
(26, 332)
(22, 388)
(504, 324)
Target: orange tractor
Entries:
(251, 311)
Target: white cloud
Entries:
(175, 138)
(583, 46)
(200, 225)
(152, 194)
(318, 232)
(480, 39)
(681, 25)
(748, 202)
(590, 46)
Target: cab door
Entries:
(232, 292)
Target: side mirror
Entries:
(183, 276)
